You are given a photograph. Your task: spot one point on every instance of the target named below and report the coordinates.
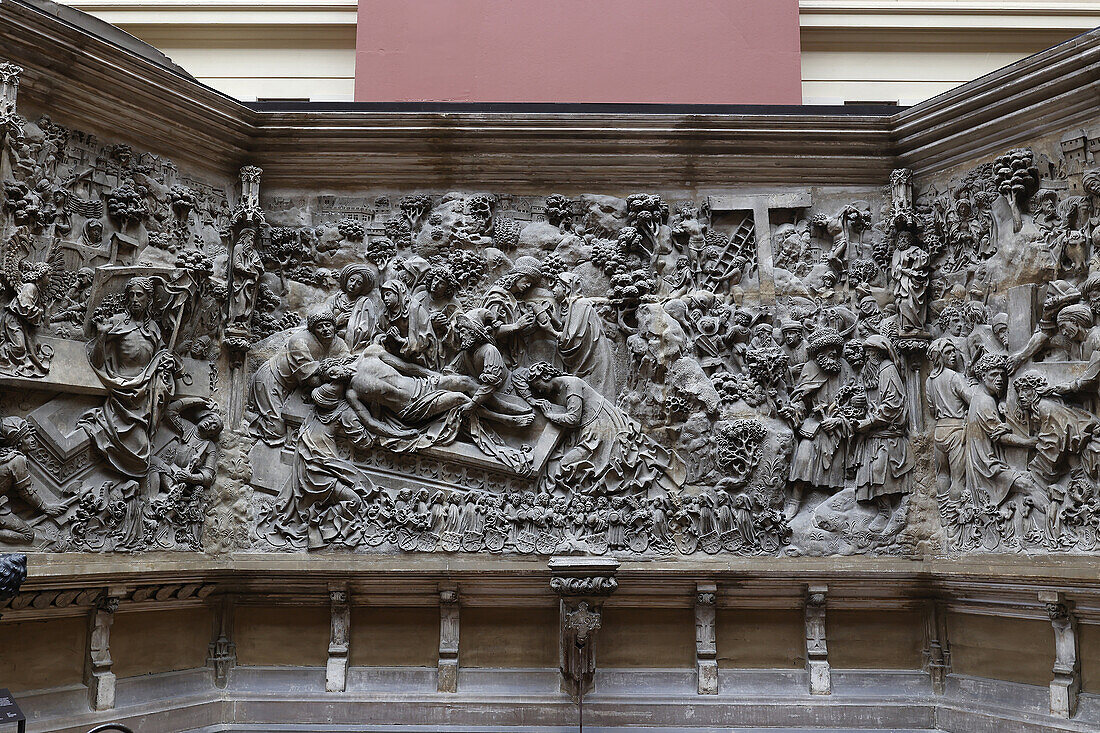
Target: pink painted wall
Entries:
(668, 51)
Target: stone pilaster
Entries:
(97, 661)
(582, 585)
(222, 653)
(706, 649)
(817, 650)
(1066, 684)
(937, 657)
(447, 669)
(336, 672)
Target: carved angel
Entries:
(33, 286)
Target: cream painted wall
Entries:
(852, 50)
(249, 50)
(906, 51)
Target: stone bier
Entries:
(194, 365)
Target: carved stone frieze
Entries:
(191, 363)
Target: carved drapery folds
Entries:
(894, 370)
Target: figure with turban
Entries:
(1070, 336)
(818, 460)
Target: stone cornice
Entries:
(993, 585)
(110, 87)
(513, 151)
(1042, 94)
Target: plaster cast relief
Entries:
(197, 365)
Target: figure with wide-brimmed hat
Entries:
(818, 460)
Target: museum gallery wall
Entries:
(230, 337)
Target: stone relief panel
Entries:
(199, 365)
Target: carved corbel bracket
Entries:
(339, 646)
(937, 654)
(222, 652)
(1066, 685)
(817, 650)
(706, 649)
(447, 669)
(98, 673)
(582, 584)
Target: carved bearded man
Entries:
(128, 354)
(818, 459)
(882, 456)
(989, 477)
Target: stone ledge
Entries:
(655, 700)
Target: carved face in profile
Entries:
(1071, 330)
(521, 285)
(391, 299)
(951, 357)
(1000, 330)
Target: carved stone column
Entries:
(336, 672)
(706, 649)
(817, 651)
(97, 662)
(447, 670)
(937, 657)
(247, 222)
(582, 584)
(222, 654)
(9, 90)
(1066, 684)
